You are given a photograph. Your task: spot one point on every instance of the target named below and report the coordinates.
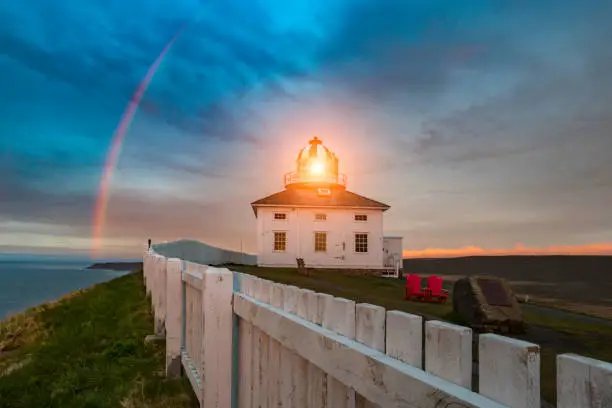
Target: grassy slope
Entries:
(87, 350)
(554, 335)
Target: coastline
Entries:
(116, 266)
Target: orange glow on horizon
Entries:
(604, 248)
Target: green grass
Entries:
(554, 335)
(88, 350)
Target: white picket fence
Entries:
(246, 342)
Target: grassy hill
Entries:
(88, 350)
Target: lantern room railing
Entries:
(295, 178)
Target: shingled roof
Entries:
(306, 197)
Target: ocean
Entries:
(27, 283)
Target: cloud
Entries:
(487, 122)
(604, 248)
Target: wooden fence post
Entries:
(339, 317)
(448, 352)
(583, 382)
(174, 323)
(369, 330)
(217, 301)
(509, 371)
(405, 337)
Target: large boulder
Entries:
(488, 304)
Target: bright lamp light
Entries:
(317, 168)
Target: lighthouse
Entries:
(317, 219)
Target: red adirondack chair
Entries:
(413, 288)
(434, 291)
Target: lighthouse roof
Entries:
(312, 197)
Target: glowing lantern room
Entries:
(316, 166)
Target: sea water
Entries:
(27, 283)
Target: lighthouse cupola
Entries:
(316, 166)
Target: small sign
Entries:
(494, 292)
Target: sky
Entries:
(485, 125)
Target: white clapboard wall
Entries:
(246, 342)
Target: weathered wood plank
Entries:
(370, 331)
(296, 364)
(378, 377)
(339, 316)
(245, 359)
(275, 379)
(583, 382)
(262, 293)
(509, 371)
(217, 299)
(192, 279)
(405, 337)
(174, 325)
(317, 378)
(448, 352)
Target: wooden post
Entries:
(370, 331)
(317, 378)
(509, 371)
(217, 300)
(339, 317)
(174, 304)
(448, 352)
(261, 349)
(405, 337)
(245, 359)
(583, 382)
(275, 380)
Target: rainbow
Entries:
(101, 203)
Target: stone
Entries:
(488, 304)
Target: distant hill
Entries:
(580, 278)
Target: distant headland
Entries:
(116, 266)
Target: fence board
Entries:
(448, 352)
(217, 299)
(509, 371)
(339, 316)
(583, 382)
(370, 331)
(405, 337)
(275, 379)
(173, 317)
(317, 378)
(261, 362)
(245, 341)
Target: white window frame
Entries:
(274, 241)
(314, 237)
(367, 235)
(279, 219)
(355, 215)
(318, 220)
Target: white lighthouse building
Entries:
(317, 219)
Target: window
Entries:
(320, 217)
(361, 217)
(320, 241)
(324, 192)
(280, 241)
(361, 242)
(280, 216)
